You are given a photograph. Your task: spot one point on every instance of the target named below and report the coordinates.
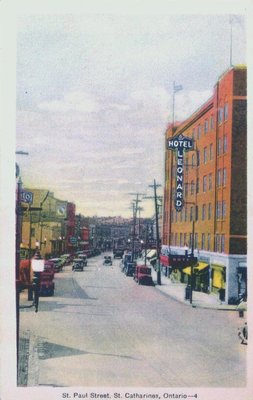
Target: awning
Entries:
(187, 270)
(201, 266)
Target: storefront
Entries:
(200, 279)
(218, 280)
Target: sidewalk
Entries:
(176, 290)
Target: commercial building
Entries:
(212, 222)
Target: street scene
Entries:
(127, 246)
(103, 329)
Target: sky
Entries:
(94, 98)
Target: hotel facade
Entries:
(212, 221)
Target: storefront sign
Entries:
(180, 144)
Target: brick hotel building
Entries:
(213, 220)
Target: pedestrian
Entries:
(243, 334)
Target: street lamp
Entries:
(37, 267)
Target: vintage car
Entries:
(130, 269)
(83, 257)
(58, 264)
(107, 260)
(78, 264)
(47, 280)
(142, 275)
(118, 253)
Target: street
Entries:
(102, 329)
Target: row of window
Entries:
(201, 242)
(208, 124)
(207, 155)
(206, 212)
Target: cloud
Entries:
(74, 101)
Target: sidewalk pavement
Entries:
(176, 290)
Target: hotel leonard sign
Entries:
(180, 144)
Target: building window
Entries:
(185, 238)
(204, 183)
(193, 160)
(226, 111)
(211, 123)
(225, 143)
(192, 187)
(205, 155)
(197, 185)
(175, 239)
(203, 238)
(191, 213)
(190, 241)
(186, 189)
(211, 152)
(219, 149)
(186, 164)
(220, 115)
(222, 243)
(196, 213)
(217, 243)
(181, 240)
(193, 134)
(224, 176)
(185, 214)
(219, 177)
(199, 131)
(196, 241)
(208, 241)
(206, 126)
(198, 158)
(224, 209)
(203, 212)
(209, 211)
(32, 232)
(210, 181)
(218, 209)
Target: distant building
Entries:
(213, 220)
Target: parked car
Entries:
(130, 269)
(67, 258)
(77, 264)
(107, 260)
(47, 279)
(58, 264)
(83, 257)
(118, 253)
(142, 275)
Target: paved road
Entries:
(102, 329)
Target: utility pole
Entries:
(155, 197)
(135, 208)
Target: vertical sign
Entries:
(180, 144)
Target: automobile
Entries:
(107, 260)
(47, 280)
(83, 257)
(142, 275)
(67, 258)
(77, 264)
(130, 269)
(118, 253)
(58, 264)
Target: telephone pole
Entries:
(135, 208)
(156, 198)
